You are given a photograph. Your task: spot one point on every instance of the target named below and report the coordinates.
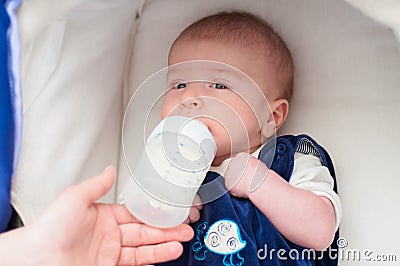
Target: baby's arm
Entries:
(300, 215)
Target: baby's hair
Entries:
(245, 30)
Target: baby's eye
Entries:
(180, 86)
(218, 86)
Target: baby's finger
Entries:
(197, 202)
(194, 215)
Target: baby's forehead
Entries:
(205, 70)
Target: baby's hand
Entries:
(244, 170)
(194, 214)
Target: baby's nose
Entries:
(194, 102)
(192, 96)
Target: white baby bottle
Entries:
(177, 155)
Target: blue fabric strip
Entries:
(6, 125)
(14, 74)
(10, 104)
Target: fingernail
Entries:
(107, 169)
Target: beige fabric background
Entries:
(75, 58)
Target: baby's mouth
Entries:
(205, 121)
(202, 118)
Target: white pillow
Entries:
(346, 96)
(386, 12)
(73, 60)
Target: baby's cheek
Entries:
(163, 114)
(168, 109)
(164, 109)
(222, 140)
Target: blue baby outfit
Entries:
(233, 232)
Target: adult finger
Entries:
(122, 214)
(136, 234)
(150, 254)
(96, 187)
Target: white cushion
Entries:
(386, 12)
(72, 74)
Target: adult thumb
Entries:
(94, 188)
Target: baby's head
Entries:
(239, 114)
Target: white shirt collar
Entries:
(221, 169)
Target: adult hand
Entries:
(75, 230)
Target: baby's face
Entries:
(226, 100)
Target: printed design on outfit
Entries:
(223, 238)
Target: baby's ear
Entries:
(279, 112)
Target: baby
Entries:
(281, 194)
